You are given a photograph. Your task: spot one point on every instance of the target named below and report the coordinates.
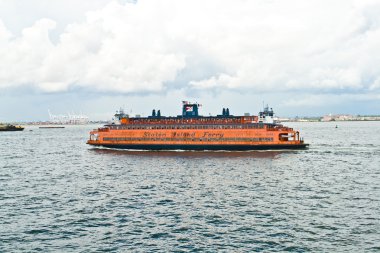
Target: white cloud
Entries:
(4, 33)
(375, 85)
(256, 46)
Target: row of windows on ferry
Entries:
(212, 120)
(250, 126)
(189, 139)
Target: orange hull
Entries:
(153, 139)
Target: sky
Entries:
(303, 58)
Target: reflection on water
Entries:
(193, 154)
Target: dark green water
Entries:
(58, 194)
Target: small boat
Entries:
(9, 127)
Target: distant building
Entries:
(348, 117)
(283, 119)
(344, 117)
(328, 118)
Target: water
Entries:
(58, 194)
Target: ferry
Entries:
(191, 131)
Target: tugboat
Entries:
(190, 131)
(9, 127)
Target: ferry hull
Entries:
(203, 147)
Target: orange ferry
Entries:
(190, 131)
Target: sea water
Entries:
(58, 194)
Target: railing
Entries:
(191, 121)
(188, 126)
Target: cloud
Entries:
(4, 33)
(154, 46)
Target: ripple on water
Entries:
(58, 195)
